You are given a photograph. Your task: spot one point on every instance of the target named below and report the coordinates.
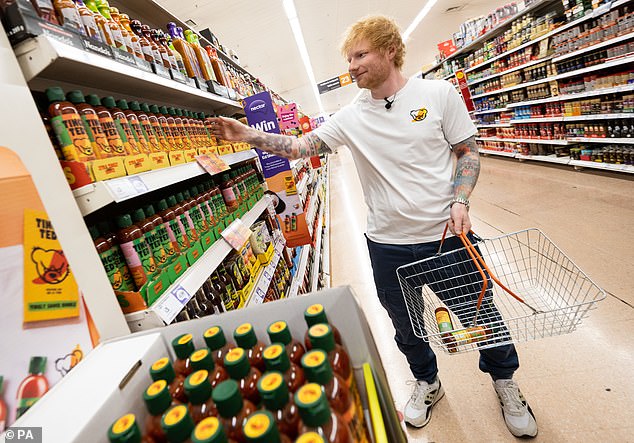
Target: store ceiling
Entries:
(259, 32)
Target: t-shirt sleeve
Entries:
(456, 123)
(330, 132)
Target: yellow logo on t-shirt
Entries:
(418, 115)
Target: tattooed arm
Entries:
(282, 145)
(467, 172)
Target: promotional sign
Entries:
(212, 163)
(277, 172)
(335, 83)
(464, 89)
(50, 291)
(288, 116)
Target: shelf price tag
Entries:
(168, 307)
(125, 188)
(236, 234)
(212, 163)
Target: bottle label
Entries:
(125, 132)
(111, 264)
(167, 239)
(229, 196)
(189, 226)
(179, 232)
(110, 130)
(139, 136)
(92, 30)
(71, 20)
(139, 259)
(97, 136)
(199, 221)
(155, 243)
(208, 216)
(117, 37)
(148, 130)
(72, 137)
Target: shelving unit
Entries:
(166, 308)
(301, 272)
(317, 257)
(263, 281)
(525, 140)
(567, 97)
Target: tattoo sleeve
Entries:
(467, 167)
(288, 147)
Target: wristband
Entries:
(462, 201)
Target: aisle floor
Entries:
(580, 385)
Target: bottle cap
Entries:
(93, 100)
(276, 358)
(183, 346)
(227, 398)
(186, 194)
(162, 369)
(109, 102)
(202, 359)
(142, 106)
(315, 314)
(94, 232)
(312, 405)
(138, 215)
(171, 111)
(37, 365)
(209, 430)
(157, 397)
(321, 337)
(317, 367)
(215, 338)
(122, 104)
(237, 363)
(273, 390)
(162, 205)
(55, 94)
(260, 427)
(279, 332)
(154, 109)
(124, 221)
(198, 387)
(163, 110)
(310, 437)
(171, 200)
(149, 210)
(104, 227)
(75, 96)
(124, 430)
(179, 197)
(177, 423)
(245, 336)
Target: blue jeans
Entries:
(499, 362)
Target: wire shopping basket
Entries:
(513, 288)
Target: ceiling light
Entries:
(291, 14)
(421, 15)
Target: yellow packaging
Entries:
(136, 163)
(108, 168)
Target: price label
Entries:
(259, 295)
(169, 306)
(212, 163)
(126, 187)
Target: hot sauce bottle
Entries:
(95, 132)
(115, 29)
(201, 55)
(159, 52)
(162, 369)
(218, 67)
(318, 370)
(277, 399)
(69, 15)
(198, 390)
(69, 127)
(186, 218)
(239, 369)
(169, 142)
(166, 52)
(216, 341)
(187, 53)
(203, 204)
(157, 400)
(310, 437)
(140, 136)
(88, 21)
(153, 116)
(177, 424)
(182, 220)
(162, 232)
(233, 410)
(110, 262)
(176, 141)
(316, 314)
(260, 428)
(136, 251)
(146, 125)
(108, 125)
(32, 387)
(245, 337)
(45, 10)
(280, 333)
(124, 20)
(203, 359)
(183, 346)
(102, 23)
(318, 417)
(175, 229)
(179, 128)
(130, 38)
(210, 430)
(106, 232)
(126, 430)
(123, 126)
(152, 237)
(195, 213)
(146, 46)
(322, 337)
(276, 359)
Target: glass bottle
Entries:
(157, 400)
(167, 41)
(140, 136)
(322, 337)
(183, 346)
(146, 48)
(203, 359)
(88, 21)
(229, 286)
(317, 416)
(187, 53)
(260, 427)
(276, 359)
(169, 144)
(68, 15)
(198, 390)
(316, 314)
(177, 424)
(233, 410)
(126, 430)
(115, 30)
(239, 369)
(160, 53)
(107, 124)
(217, 342)
(131, 40)
(45, 10)
(201, 55)
(214, 297)
(162, 369)
(101, 22)
(246, 338)
(158, 37)
(123, 125)
(277, 399)
(94, 129)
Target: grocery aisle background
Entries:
(578, 385)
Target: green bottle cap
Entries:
(200, 189)
(75, 96)
(276, 358)
(93, 100)
(193, 191)
(171, 200)
(183, 346)
(179, 197)
(171, 111)
(124, 221)
(162, 369)
(37, 365)
(177, 424)
(261, 427)
(94, 232)
(146, 108)
(279, 332)
(198, 387)
(227, 398)
(138, 215)
(109, 102)
(202, 359)
(312, 405)
(315, 314)
(55, 94)
(104, 227)
(317, 367)
(149, 210)
(179, 112)
(125, 430)
(321, 337)
(154, 109)
(209, 430)
(162, 205)
(273, 390)
(215, 338)
(135, 106)
(163, 110)
(157, 397)
(237, 363)
(186, 194)
(310, 437)
(122, 104)
(245, 336)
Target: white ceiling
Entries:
(259, 32)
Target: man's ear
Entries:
(391, 52)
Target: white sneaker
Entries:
(425, 396)
(517, 413)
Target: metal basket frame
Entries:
(553, 294)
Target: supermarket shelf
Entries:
(566, 97)
(326, 242)
(492, 33)
(166, 308)
(606, 65)
(519, 121)
(621, 38)
(545, 158)
(303, 185)
(301, 271)
(500, 153)
(508, 71)
(587, 17)
(95, 196)
(574, 118)
(604, 166)
(314, 277)
(494, 125)
(525, 140)
(311, 213)
(490, 111)
(256, 297)
(42, 59)
(616, 141)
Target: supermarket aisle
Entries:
(579, 385)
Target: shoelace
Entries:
(419, 390)
(510, 396)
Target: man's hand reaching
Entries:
(229, 129)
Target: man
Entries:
(402, 134)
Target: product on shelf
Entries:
(210, 430)
(233, 410)
(318, 417)
(126, 132)
(246, 338)
(177, 424)
(198, 388)
(216, 341)
(112, 260)
(277, 398)
(276, 359)
(107, 124)
(3, 407)
(33, 387)
(183, 348)
(125, 430)
(280, 333)
(260, 427)
(314, 315)
(136, 251)
(162, 369)
(247, 376)
(203, 359)
(157, 400)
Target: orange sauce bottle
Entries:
(233, 410)
(183, 346)
(246, 338)
(146, 125)
(107, 124)
(177, 424)
(123, 126)
(316, 314)
(198, 390)
(95, 132)
(203, 359)
(239, 369)
(318, 417)
(157, 400)
(260, 427)
(216, 341)
(277, 399)
(140, 137)
(276, 359)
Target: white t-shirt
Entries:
(403, 157)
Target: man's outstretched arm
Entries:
(282, 145)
